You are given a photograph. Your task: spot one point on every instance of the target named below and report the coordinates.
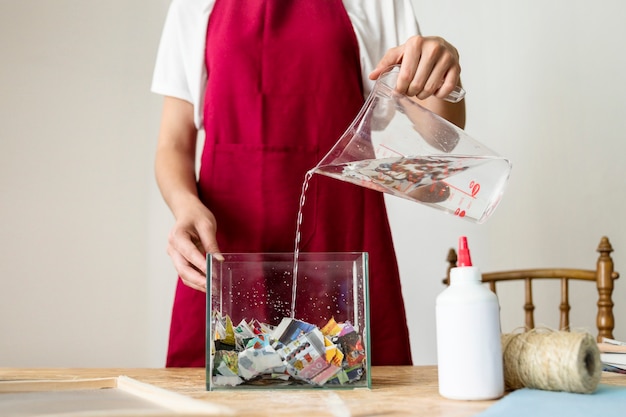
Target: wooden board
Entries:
(115, 397)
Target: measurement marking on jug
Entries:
(474, 189)
(384, 151)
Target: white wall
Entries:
(85, 280)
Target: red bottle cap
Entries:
(464, 258)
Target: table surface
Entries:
(396, 390)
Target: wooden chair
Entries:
(603, 276)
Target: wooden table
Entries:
(399, 390)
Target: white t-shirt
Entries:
(180, 68)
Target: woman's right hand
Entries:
(193, 234)
(191, 238)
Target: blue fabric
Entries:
(606, 401)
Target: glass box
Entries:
(266, 329)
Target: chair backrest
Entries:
(603, 275)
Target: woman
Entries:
(273, 84)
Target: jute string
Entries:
(551, 360)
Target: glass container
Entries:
(268, 329)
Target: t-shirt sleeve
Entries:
(169, 77)
(180, 70)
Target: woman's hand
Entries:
(429, 67)
(429, 70)
(193, 234)
(191, 238)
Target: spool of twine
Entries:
(551, 360)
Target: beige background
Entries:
(84, 277)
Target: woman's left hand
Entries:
(429, 67)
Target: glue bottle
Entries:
(469, 351)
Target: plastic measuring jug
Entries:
(396, 146)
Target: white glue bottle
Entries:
(469, 351)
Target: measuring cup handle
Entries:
(456, 95)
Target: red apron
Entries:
(283, 84)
